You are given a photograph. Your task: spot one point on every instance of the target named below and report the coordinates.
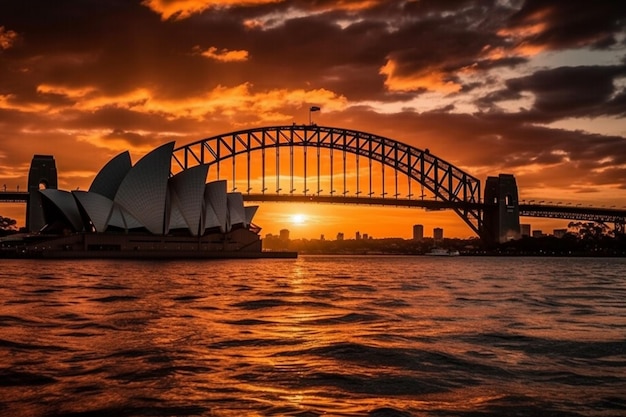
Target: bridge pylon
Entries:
(42, 174)
(501, 210)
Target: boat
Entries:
(443, 252)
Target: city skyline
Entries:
(531, 88)
(417, 232)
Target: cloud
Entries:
(428, 79)
(222, 55)
(435, 48)
(571, 91)
(7, 38)
(181, 9)
(541, 25)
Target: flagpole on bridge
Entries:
(311, 110)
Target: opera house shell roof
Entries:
(145, 197)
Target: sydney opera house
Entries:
(140, 211)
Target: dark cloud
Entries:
(502, 146)
(130, 137)
(569, 24)
(443, 41)
(569, 91)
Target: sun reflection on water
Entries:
(348, 336)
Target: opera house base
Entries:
(237, 244)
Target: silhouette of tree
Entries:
(7, 225)
(590, 230)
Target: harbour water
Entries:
(314, 336)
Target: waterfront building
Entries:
(438, 234)
(418, 232)
(140, 210)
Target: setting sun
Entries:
(298, 219)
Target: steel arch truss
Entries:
(445, 181)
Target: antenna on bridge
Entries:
(311, 110)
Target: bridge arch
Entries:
(457, 189)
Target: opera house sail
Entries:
(141, 210)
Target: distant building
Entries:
(418, 232)
(322, 238)
(525, 230)
(537, 233)
(438, 233)
(366, 236)
(559, 233)
(340, 236)
(357, 236)
(284, 234)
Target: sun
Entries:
(298, 219)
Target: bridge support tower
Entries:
(42, 174)
(501, 213)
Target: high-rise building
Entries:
(284, 234)
(438, 233)
(525, 230)
(340, 236)
(357, 236)
(418, 232)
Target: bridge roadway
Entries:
(566, 212)
(13, 196)
(595, 214)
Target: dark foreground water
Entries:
(331, 336)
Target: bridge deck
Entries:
(13, 196)
(568, 212)
(598, 214)
(373, 201)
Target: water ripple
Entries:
(317, 336)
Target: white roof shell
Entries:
(123, 219)
(144, 188)
(97, 207)
(187, 195)
(176, 220)
(64, 201)
(215, 196)
(144, 196)
(236, 212)
(210, 218)
(250, 212)
(110, 177)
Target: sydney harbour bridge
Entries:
(320, 164)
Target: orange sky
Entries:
(532, 88)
